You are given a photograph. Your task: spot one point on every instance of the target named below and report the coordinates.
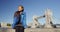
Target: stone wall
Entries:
(42, 30)
(7, 30)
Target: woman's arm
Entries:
(15, 20)
(24, 20)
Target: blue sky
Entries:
(31, 7)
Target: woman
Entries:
(19, 20)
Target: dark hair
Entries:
(21, 7)
(17, 13)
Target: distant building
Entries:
(3, 24)
(7, 25)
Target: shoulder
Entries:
(15, 12)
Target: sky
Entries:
(31, 7)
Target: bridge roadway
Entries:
(42, 30)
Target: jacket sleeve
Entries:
(15, 20)
(24, 20)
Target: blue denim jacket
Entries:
(23, 20)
